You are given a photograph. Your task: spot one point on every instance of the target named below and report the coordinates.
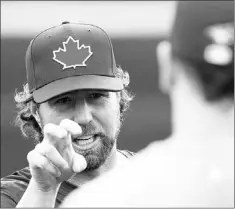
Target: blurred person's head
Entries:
(72, 73)
(196, 63)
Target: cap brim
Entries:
(83, 82)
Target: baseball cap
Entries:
(203, 31)
(71, 56)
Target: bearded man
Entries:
(73, 106)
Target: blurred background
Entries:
(135, 29)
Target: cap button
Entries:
(65, 22)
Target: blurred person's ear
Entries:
(165, 73)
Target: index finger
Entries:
(59, 138)
(67, 148)
(54, 132)
(73, 129)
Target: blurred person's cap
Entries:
(204, 31)
(69, 57)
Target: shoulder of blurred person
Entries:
(165, 174)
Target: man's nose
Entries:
(83, 114)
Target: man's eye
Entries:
(63, 100)
(97, 95)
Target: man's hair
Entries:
(216, 82)
(27, 122)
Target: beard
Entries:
(97, 157)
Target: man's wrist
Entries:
(40, 189)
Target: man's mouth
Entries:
(85, 142)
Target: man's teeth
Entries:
(85, 137)
(85, 141)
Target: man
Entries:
(73, 105)
(195, 166)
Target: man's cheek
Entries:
(111, 127)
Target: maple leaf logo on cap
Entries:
(72, 55)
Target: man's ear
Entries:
(164, 59)
(34, 111)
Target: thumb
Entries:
(78, 163)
